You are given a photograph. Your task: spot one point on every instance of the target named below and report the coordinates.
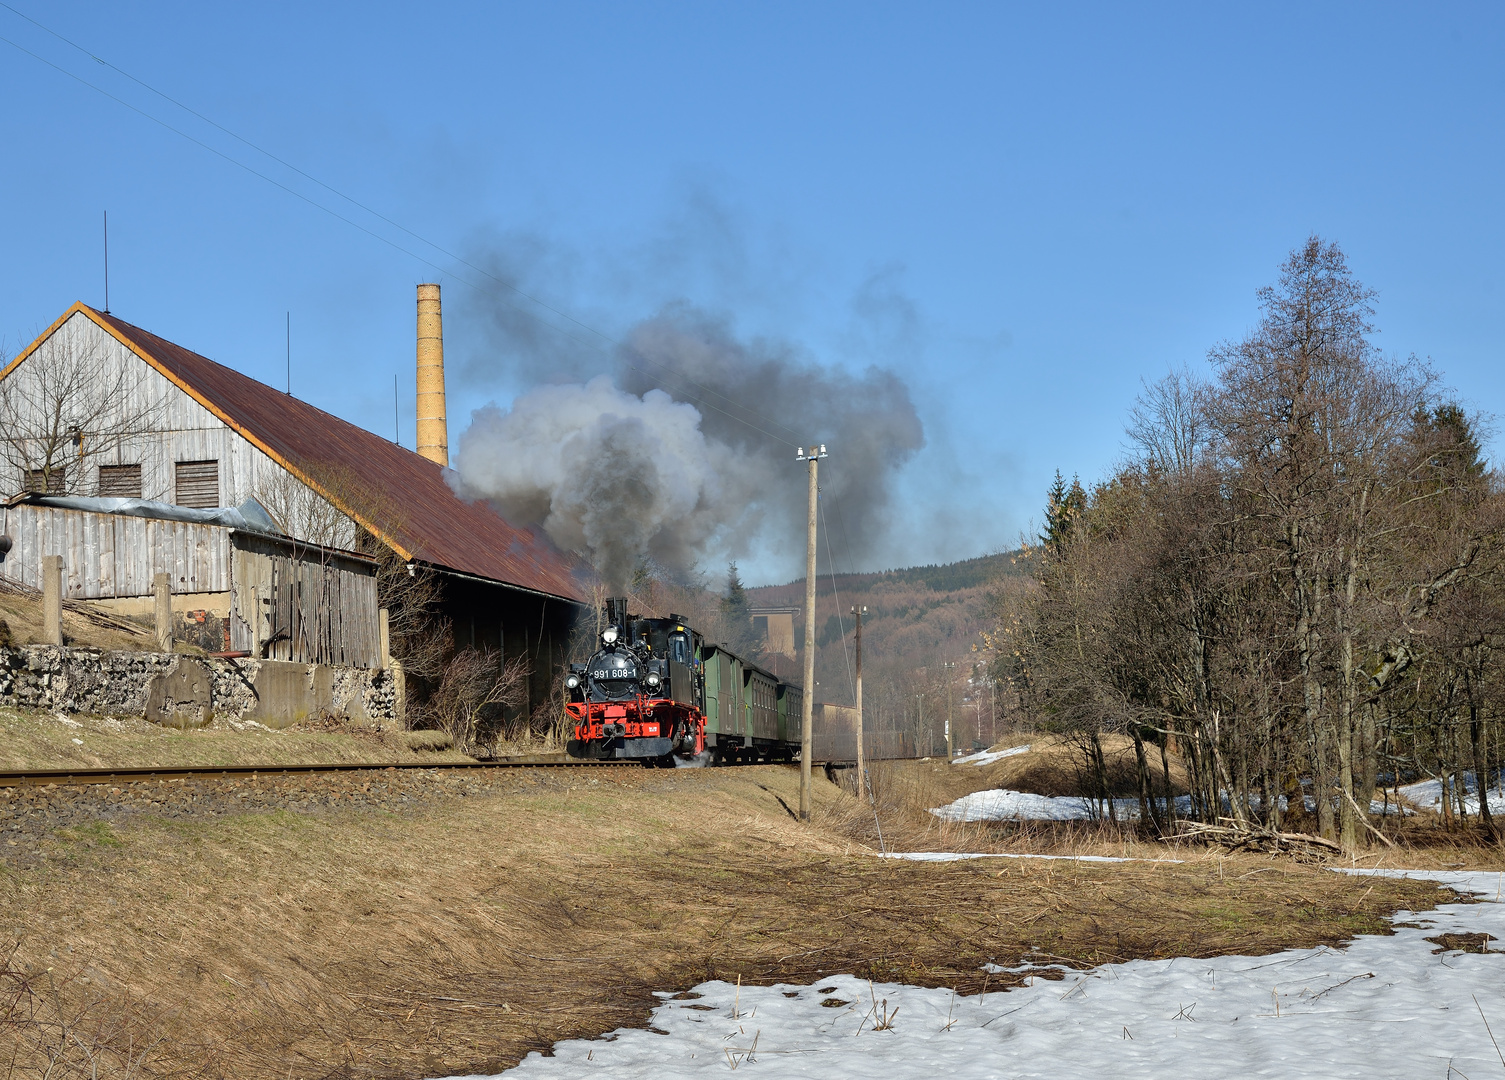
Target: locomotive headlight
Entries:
(653, 679)
(609, 635)
(572, 681)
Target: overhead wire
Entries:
(605, 337)
(836, 595)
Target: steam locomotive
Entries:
(656, 691)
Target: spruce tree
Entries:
(735, 610)
(1063, 509)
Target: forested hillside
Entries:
(918, 620)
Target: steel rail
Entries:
(43, 777)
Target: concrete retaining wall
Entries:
(189, 691)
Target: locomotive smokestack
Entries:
(433, 429)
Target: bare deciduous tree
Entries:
(70, 406)
(1297, 581)
(474, 695)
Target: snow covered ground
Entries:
(1385, 1007)
(1428, 794)
(958, 856)
(1002, 804)
(987, 757)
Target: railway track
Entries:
(43, 777)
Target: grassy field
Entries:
(455, 934)
(31, 740)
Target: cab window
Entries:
(679, 647)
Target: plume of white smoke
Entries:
(720, 481)
(614, 476)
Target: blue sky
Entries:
(1023, 210)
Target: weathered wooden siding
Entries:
(303, 604)
(109, 555)
(834, 737)
(185, 430)
(315, 606)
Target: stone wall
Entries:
(179, 690)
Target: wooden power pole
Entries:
(861, 760)
(812, 455)
(950, 677)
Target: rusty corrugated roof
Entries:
(401, 497)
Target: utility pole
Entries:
(950, 677)
(919, 726)
(992, 710)
(861, 761)
(812, 455)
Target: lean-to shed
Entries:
(235, 588)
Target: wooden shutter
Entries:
(120, 481)
(52, 484)
(198, 484)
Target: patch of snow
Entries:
(955, 856)
(1428, 794)
(987, 757)
(1396, 1006)
(1003, 804)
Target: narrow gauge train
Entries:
(657, 691)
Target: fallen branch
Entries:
(1365, 819)
(1236, 837)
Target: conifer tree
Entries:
(735, 609)
(1064, 508)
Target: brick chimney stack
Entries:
(433, 429)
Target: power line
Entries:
(606, 338)
(836, 596)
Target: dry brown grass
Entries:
(1054, 766)
(905, 791)
(30, 740)
(459, 936)
(82, 623)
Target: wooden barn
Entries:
(235, 588)
(97, 407)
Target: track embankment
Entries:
(407, 923)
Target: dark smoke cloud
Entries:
(618, 477)
(684, 454)
(762, 398)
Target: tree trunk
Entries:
(1481, 771)
(1165, 775)
(1100, 766)
(1146, 795)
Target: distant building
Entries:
(774, 627)
(152, 420)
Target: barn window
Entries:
(198, 484)
(120, 481)
(47, 482)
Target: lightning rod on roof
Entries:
(107, 262)
(289, 354)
